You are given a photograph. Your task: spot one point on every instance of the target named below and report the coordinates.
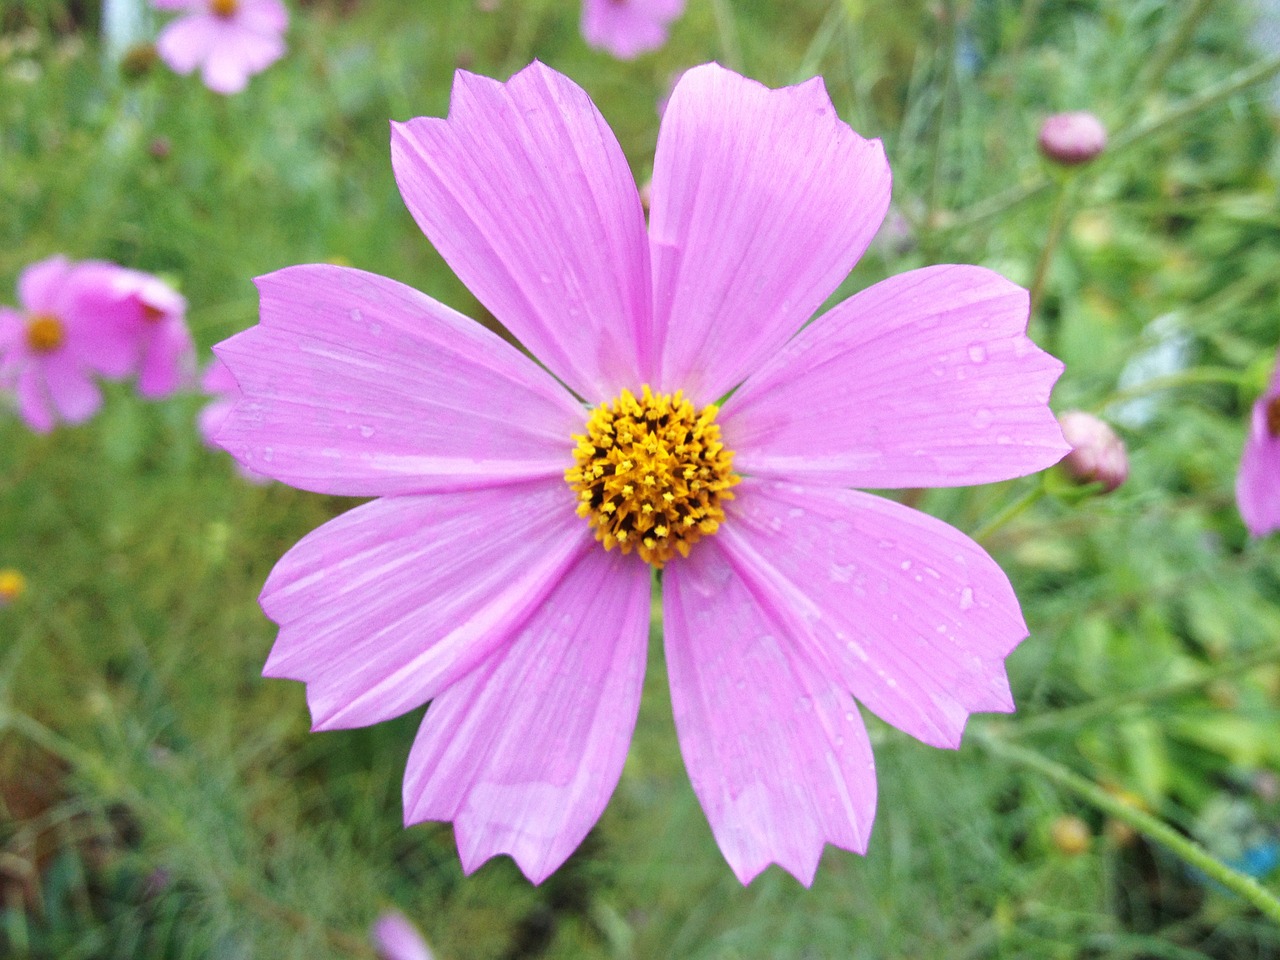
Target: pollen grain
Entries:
(651, 474)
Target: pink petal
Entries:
(763, 200)
(776, 751)
(218, 379)
(185, 43)
(74, 394)
(1258, 482)
(628, 28)
(395, 938)
(906, 612)
(925, 379)
(263, 16)
(33, 399)
(236, 55)
(211, 418)
(523, 754)
(384, 607)
(168, 359)
(355, 384)
(526, 194)
(104, 317)
(40, 285)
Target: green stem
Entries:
(728, 31)
(948, 48)
(1068, 717)
(519, 54)
(821, 42)
(1196, 376)
(1159, 65)
(1062, 208)
(1238, 81)
(1009, 512)
(1154, 829)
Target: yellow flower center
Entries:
(1273, 417)
(224, 8)
(44, 333)
(12, 584)
(651, 474)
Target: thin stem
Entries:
(1009, 512)
(1067, 717)
(727, 28)
(1159, 65)
(821, 42)
(1186, 849)
(1196, 376)
(948, 47)
(519, 54)
(1238, 81)
(1062, 208)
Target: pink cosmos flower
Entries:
(150, 328)
(51, 349)
(220, 384)
(501, 574)
(1258, 482)
(230, 40)
(628, 28)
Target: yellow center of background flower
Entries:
(12, 585)
(224, 8)
(651, 474)
(1273, 417)
(44, 333)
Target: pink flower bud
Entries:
(395, 938)
(1072, 138)
(1097, 455)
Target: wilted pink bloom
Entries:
(150, 328)
(1258, 482)
(1097, 454)
(220, 384)
(628, 28)
(230, 40)
(51, 349)
(1072, 138)
(483, 578)
(395, 938)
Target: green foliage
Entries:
(161, 800)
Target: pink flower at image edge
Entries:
(229, 40)
(628, 28)
(1258, 482)
(472, 581)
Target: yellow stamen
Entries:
(224, 8)
(635, 473)
(45, 333)
(12, 585)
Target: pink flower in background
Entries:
(628, 28)
(501, 574)
(220, 384)
(1258, 482)
(230, 40)
(149, 320)
(395, 938)
(51, 349)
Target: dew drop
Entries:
(977, 353)
(966, 598)
(366, 431)
(982, 418)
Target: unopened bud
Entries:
(1070, 835)
(1097, 455)
(160, 147)
(395, 938)
(1072, 138)
(138, 60)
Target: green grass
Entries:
(160, 799)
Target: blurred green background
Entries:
(159, 799)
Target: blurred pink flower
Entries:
(1258, 482)
(51, 349)
(628, 28)
(149, 320)
(477, 580)
(395, 938)
(230, 40)
(1098, 455)
(1072, 138)
(220, 384)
